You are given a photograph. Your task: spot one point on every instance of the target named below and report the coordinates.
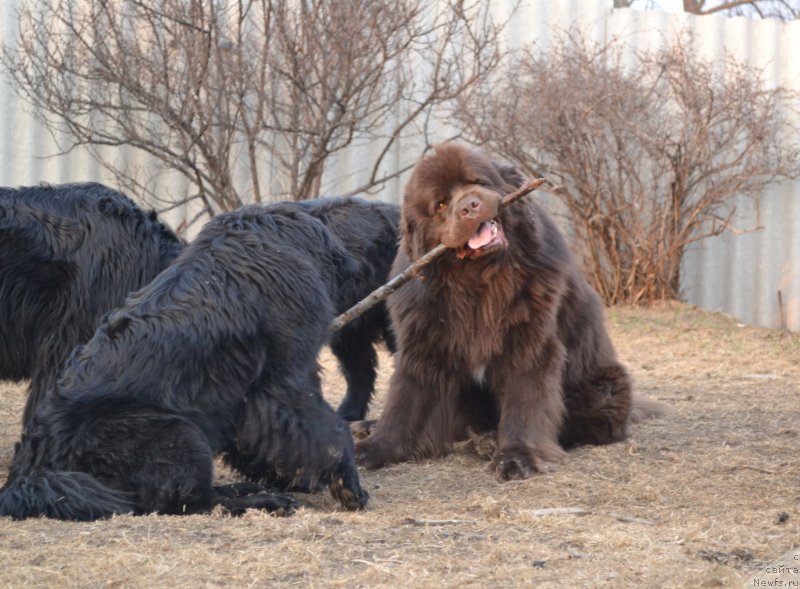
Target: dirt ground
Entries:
(706, 496)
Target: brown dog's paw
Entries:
(513, 466)
(520, 463)
(369, 455)
(362, 429)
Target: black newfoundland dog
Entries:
(68, 254)
(502, 333)
(71, 253)
(369, 231)
(217, 355)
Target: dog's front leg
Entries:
(532, 411)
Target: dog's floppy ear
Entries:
(412, 242)
(510, 175)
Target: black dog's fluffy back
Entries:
(252, 284)
(69, 254)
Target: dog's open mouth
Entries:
(488, 236)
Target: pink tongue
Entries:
(482, 236)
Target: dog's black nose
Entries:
(470, 206)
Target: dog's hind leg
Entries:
(598, 409)
(170, 469)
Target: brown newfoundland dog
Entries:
(502, 333)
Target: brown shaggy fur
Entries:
(505, 336)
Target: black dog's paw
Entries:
(240, 489)
(351, 498)
(277, 504)
(346, 488)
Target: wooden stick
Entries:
(381, 293)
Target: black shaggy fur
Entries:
(217, 355)
(68, 254)
(71, 253)
(369, 231)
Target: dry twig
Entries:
(559, 511)
(432, 522)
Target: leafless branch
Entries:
(782, 9)
(248, 101)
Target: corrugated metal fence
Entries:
(754, 277)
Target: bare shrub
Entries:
(267, 90)
(651, 150)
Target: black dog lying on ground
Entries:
(71, 253)
(217, 355)
(68, 254)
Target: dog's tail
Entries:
(61, 495)
(643, 409)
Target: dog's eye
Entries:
(441, 205)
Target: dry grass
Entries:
(691, 500)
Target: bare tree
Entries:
(651, 151)
(782, 9)
(248, 99)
